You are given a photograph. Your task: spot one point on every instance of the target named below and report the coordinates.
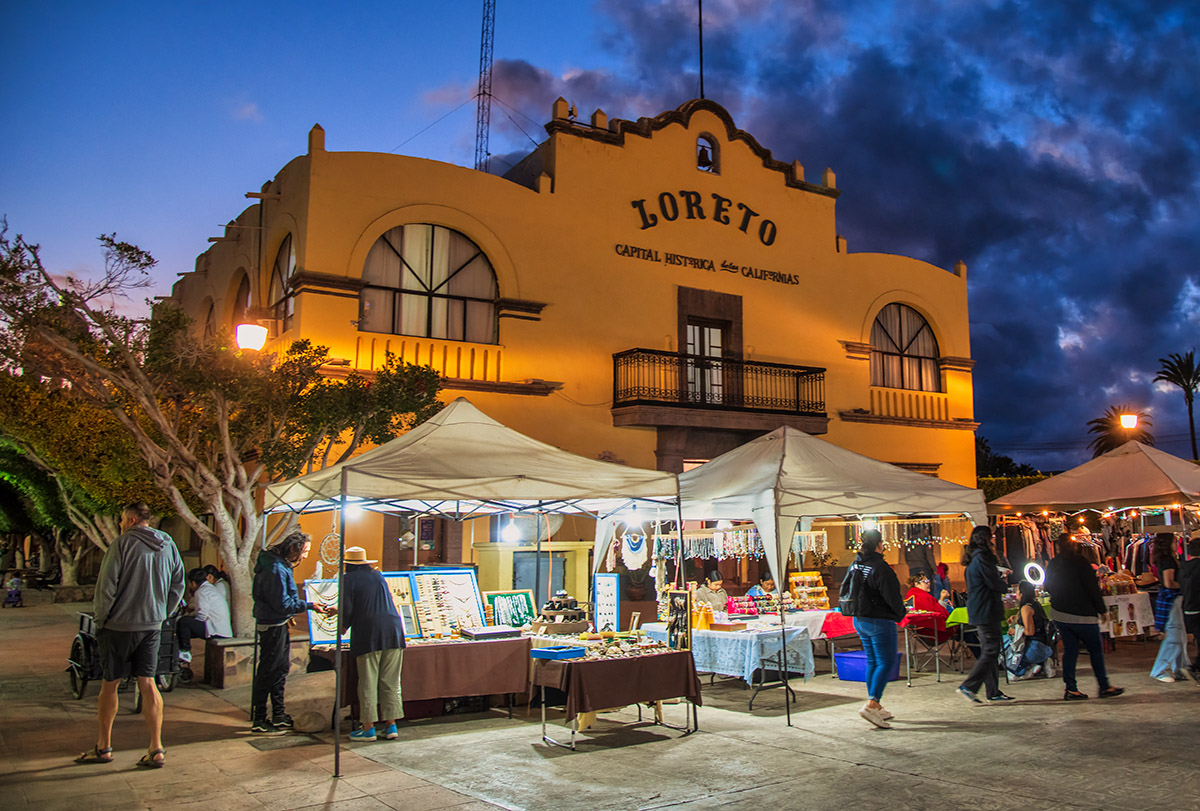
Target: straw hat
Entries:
(356, 556)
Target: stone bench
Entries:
(230, 662)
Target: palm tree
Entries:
(1110, 434)
(1182, 371)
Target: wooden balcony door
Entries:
(706, 344)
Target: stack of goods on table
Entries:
(753, 606)
(562, 614)
(809, 591)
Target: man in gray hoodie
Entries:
(140, 583)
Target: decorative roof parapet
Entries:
(618, 128)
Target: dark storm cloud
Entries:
(1052, 146)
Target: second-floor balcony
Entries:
(648, 377)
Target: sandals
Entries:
(96, 755)
(154, 759)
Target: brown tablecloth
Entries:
(450, 670)
(597, 684)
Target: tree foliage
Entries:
(1181, 370)
(209, 422)
(1109, 435)
(989, 463)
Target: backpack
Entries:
(856, 598)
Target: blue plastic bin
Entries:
(852, 666)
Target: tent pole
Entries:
(337, 651)
(787, 694)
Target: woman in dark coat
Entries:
(985, 611)
(871, 594)
(376, 643)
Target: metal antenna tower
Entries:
(483, 108)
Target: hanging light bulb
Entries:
(510, 533)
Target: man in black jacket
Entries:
(1189, 593)
(276, 601)
(1075, 607)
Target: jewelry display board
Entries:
(447, 600)
(679, 620)
(322, 629)
(606, 601)
(400, 586)
(431, 602)
(513, 608)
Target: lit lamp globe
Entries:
(1129, 421)
(251, 336)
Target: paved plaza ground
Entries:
(1139, 751)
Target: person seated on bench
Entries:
(207, 615)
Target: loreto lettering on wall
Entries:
(703, 263)
(691, 205)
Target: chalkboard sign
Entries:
(513, 608)
(679, 620)
(606, 602)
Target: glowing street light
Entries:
(1129, 421)
(251, 336)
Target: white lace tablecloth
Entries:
(737, 653)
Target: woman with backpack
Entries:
(870, 594)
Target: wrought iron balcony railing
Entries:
(651, 377)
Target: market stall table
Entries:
(740, 653)
(592, 685)
(449, 669)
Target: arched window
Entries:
(429, 281)
(241, 301)
(708, 158)
(283, 305)
(904, 352)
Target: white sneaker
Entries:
(185, 656)
(885, 714)
(1166, 678)
(1034, 671)
(1048, 670)
(875, 717)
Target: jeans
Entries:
(879, 643)
(274, 661)
(1035, 653)
(1072, 634)
(1172, 653)
(189, 628)
(986, 671)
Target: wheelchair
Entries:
(83, 663)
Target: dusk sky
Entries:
(1052, 146)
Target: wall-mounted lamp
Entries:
(250, 336)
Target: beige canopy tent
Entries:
(460, 464)
(1133, 475)
(788, 477)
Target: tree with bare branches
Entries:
(210, 422)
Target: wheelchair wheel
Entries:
(75, 669)
(166, 681)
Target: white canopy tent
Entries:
(461, 464)
(787, 477)
(1133, 475)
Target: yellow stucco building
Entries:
(654, 292)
